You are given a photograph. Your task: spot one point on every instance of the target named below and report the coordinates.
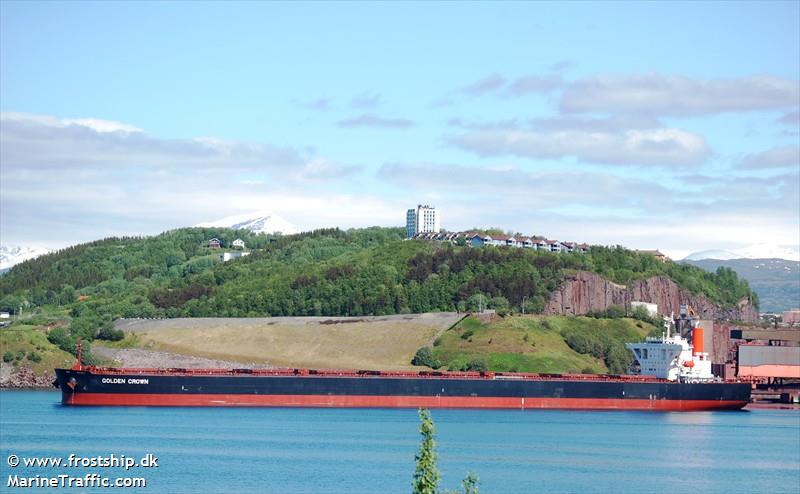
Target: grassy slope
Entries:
(379, 343)
(32, 338)
(526, 344)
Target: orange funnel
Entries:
(697, 341)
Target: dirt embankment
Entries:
(369, 342)
(141, 358)
(585, 292)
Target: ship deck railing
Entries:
(295, 372)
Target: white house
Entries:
(227, 256)
(4, 315)
(500, 240)
(652, 309)
(238, 244)
(554, 245)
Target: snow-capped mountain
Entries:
(723, 255)
(256, 222)
(11, 255)
(755, 251)
(767, 251)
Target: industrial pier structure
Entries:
(767, 358)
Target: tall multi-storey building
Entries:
(411, 223)
(423, 219)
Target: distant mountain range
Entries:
(257, 222)
(776, 281)
(15, 254)
(755, 251)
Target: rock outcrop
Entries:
(24, 377)
(586, 292)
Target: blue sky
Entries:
(652, 125)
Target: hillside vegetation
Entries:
(556, 344)
(330, 272)
(26, 345)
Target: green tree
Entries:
(424, 356)
(108, 332)
(477, 303)
(477, 365)
(426, 475)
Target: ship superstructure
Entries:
(673, 357)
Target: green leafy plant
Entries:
(426, 474)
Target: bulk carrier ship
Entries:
(674, 376)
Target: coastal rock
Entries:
(24, 377)
(585, 292)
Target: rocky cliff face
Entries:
(586, 292)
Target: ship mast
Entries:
(79, 348)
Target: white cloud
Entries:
(790, 118)
(660, 94)
(630, 147)
(534, 84)
(62, 182)
(549, 190)
(35, 141)
(95, 124)
(102, 126)
(488, 84)
(779, 157)
(369, 120)
(497, 84)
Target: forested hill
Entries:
(331, 272)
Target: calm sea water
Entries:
(203, 450)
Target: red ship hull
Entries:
(325, 401)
